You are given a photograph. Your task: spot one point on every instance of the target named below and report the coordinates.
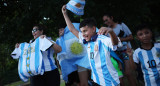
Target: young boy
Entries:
(98, 49)
(147, 55)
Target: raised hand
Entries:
(17, 45)
(64, 10)
(104, 31)
(129, 51)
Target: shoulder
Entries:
(103, 39)
(49, 38)
(137, 51)
(157, 45)
(123, 24)
(100, 37)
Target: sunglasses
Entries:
(35, 30)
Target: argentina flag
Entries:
(73, 53)
(76, 6)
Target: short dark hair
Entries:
(145, 26)
(141, 27)
(90, 22)
(41, 27)
(117, 19)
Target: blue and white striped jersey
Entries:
(150, 64)
(102, 68)
(48, 59)
(30, 57)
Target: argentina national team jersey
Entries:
(102, 68)
(48, 58)
(30, 58)
(150, 64)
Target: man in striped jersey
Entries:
(98, 49)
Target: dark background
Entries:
(17, 18)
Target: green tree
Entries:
(17, 18)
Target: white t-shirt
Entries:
(124, 31)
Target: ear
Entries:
(94, 29)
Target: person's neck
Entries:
(147, 46)
(114, 25)
(94, 34)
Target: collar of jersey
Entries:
(93, 38)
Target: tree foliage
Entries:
(17, 18)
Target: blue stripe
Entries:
(158, 81)
(158, 50)
(140, 56)
(105, 70)
(115, 56)
(43, 67)
(154, 69)
(75, 10)
(94, 71)
(102, 37)
(37, 55)
(21, 60)
(50, 60)
(79, 1)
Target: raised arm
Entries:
(68, 22)
(128, 38)
(114, 38)
(130, 54)
(106, 30)
(55, 46)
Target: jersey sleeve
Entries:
(16, 53)
(80, 37)
(157, 45)
(107, 41)
(45, 44)
(126, 29)
(135, 58)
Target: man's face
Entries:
(87, 32)
(61, 31)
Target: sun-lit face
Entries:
(36, 32)
(88, 32)
(144, 36)
(61, 31)
(108, 21)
